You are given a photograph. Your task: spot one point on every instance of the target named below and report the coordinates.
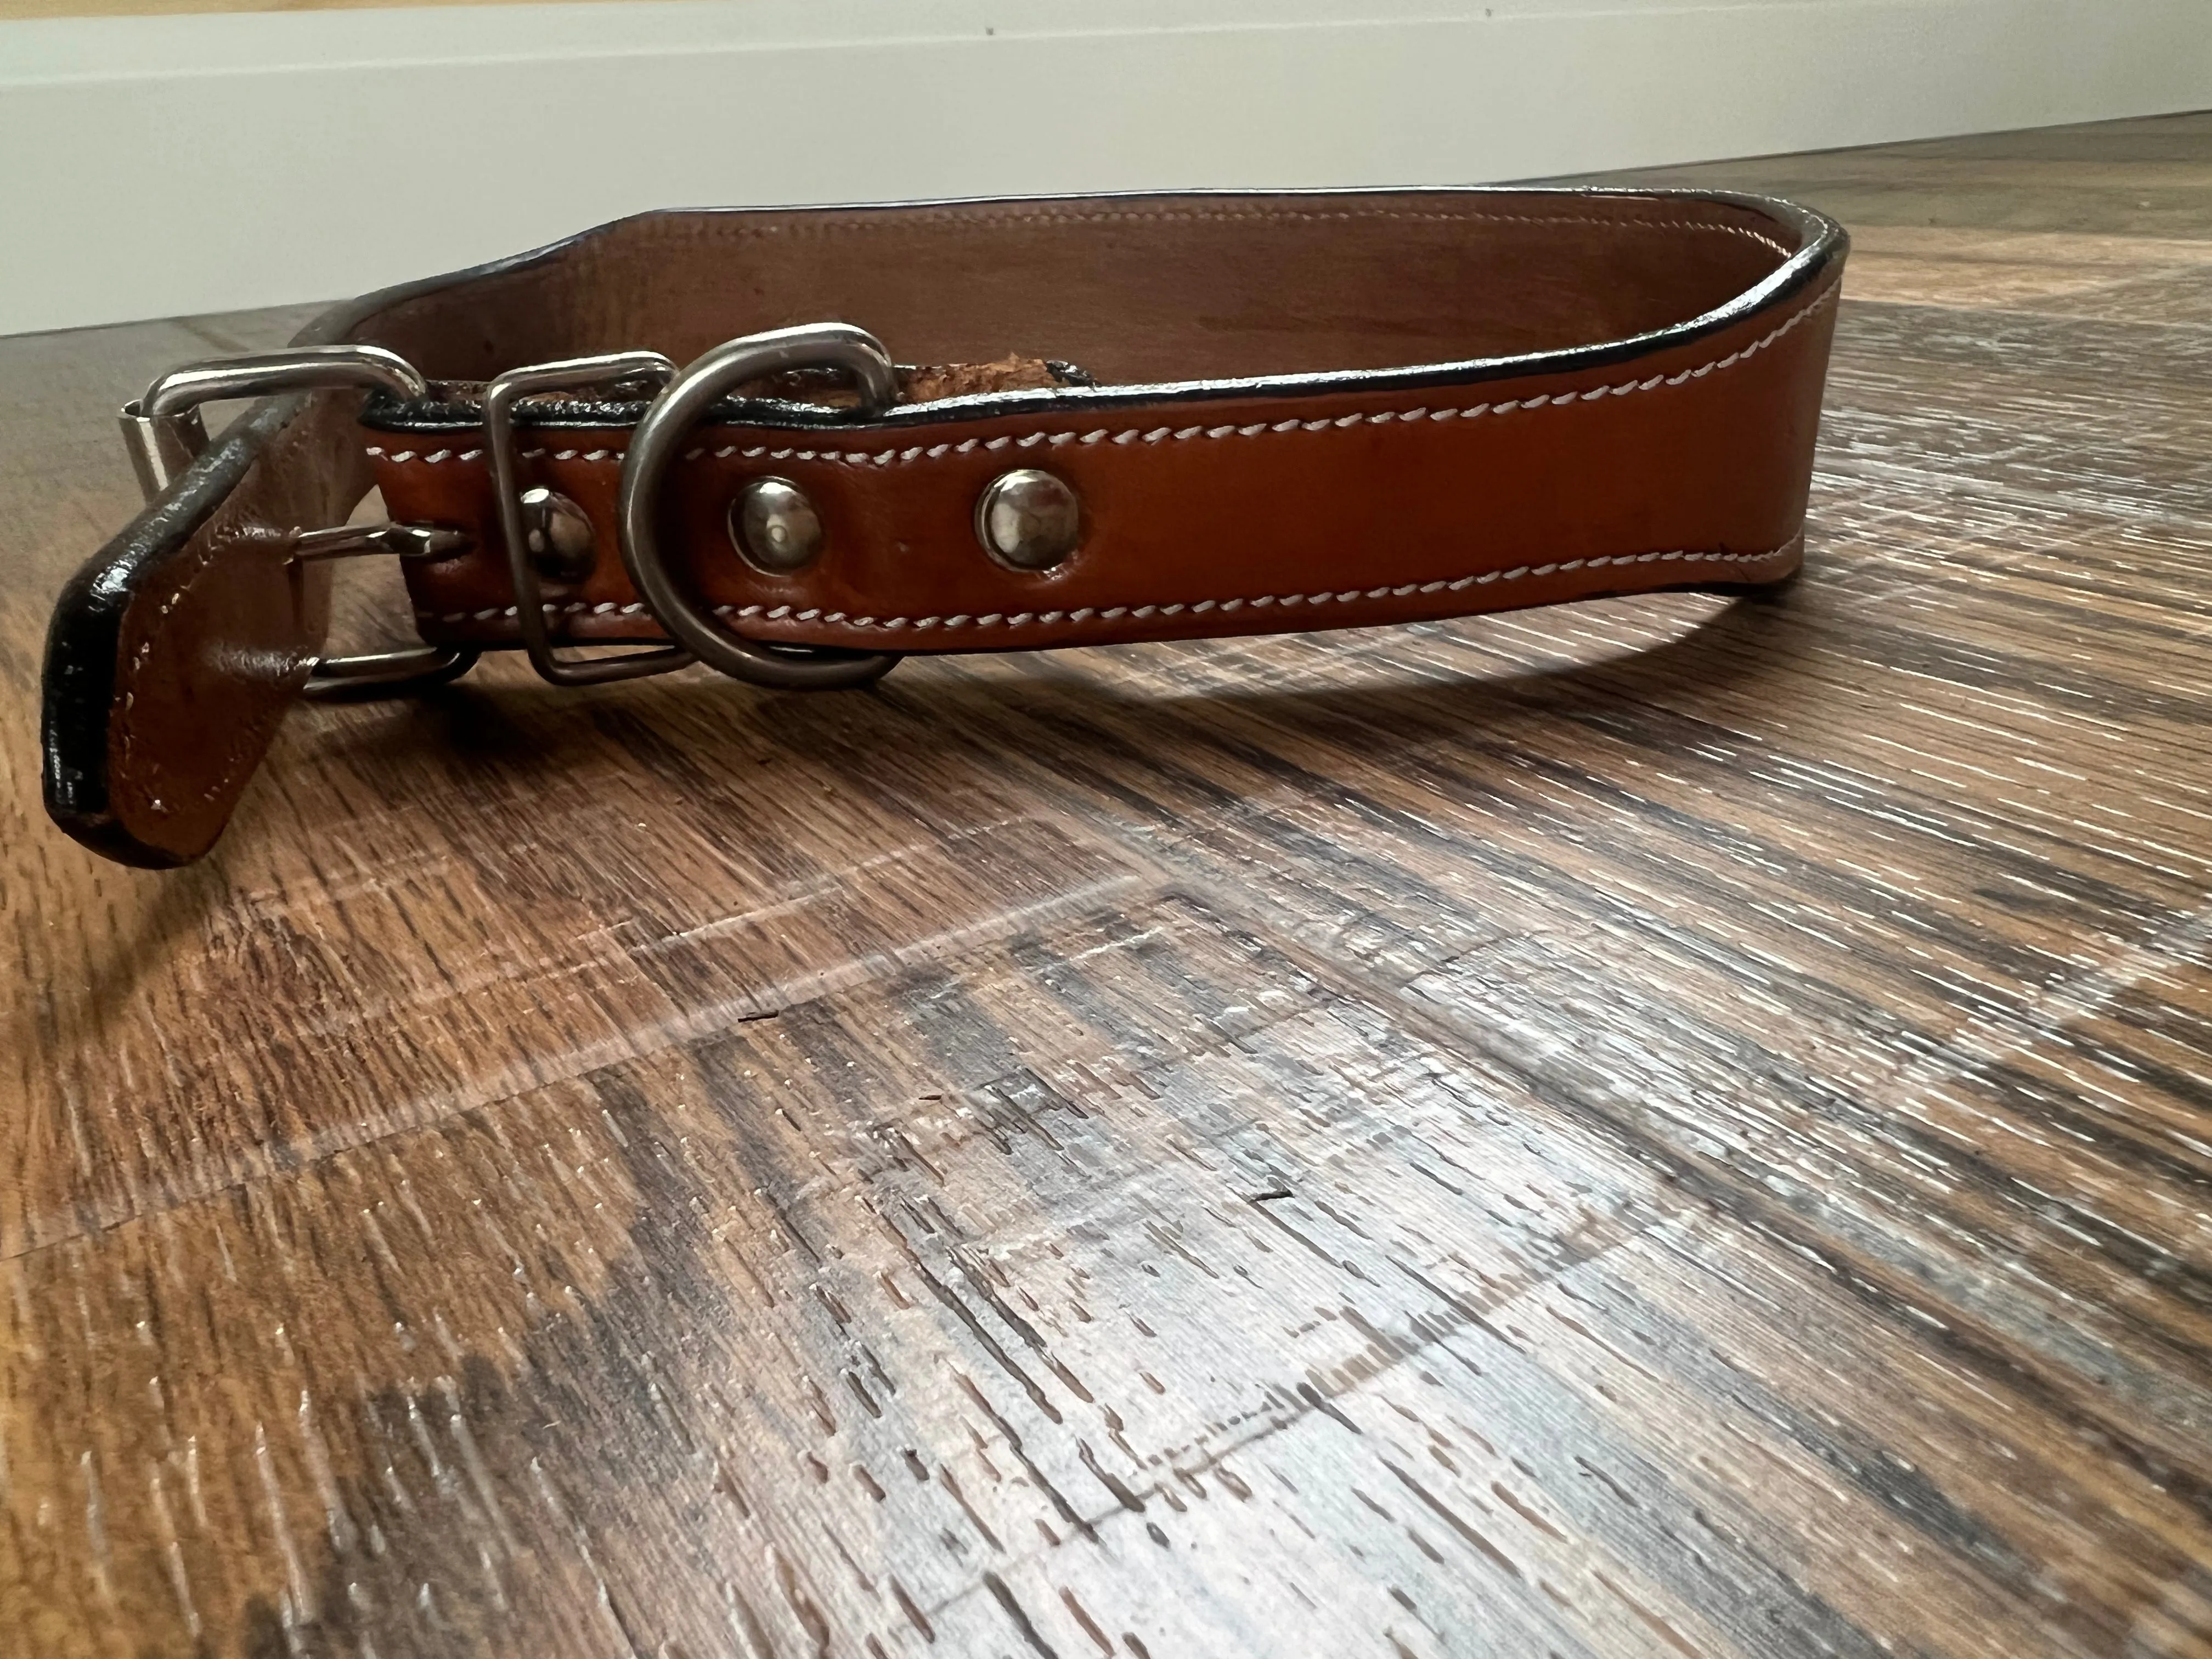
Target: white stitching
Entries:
(739, 228)
(1023, 619)
(1169, 435)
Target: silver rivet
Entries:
(558, 534)
(774, 526)
(1028, 519)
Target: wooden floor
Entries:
(1669, 1128)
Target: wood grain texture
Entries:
(1663, 1127)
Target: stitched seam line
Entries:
(1114, 613)
(693, 228)
(954, 220)
(1154, 435)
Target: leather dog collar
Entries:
(1244, 414)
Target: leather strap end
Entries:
(173, 653)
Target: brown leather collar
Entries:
(1271, 412)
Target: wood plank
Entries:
(2110, 179)
(725, 1301)
(1668, 1127)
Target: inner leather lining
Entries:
(1161, 290)
(463, 400)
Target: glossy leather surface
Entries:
(1309, 409)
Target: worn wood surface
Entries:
(1665, 1127)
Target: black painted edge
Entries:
(1822, 243)
(84, 638)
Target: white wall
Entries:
(159, 166)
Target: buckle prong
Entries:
(404, 541)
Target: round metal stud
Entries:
(1028, 519)
(775, 526)
(558, 536)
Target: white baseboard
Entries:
(153, 167)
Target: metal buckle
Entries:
(529, 596)
(163, 432)
(653, 446)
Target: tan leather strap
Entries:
(1287, 411)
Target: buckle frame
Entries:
(163, 433)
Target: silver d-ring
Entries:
(654, 445)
